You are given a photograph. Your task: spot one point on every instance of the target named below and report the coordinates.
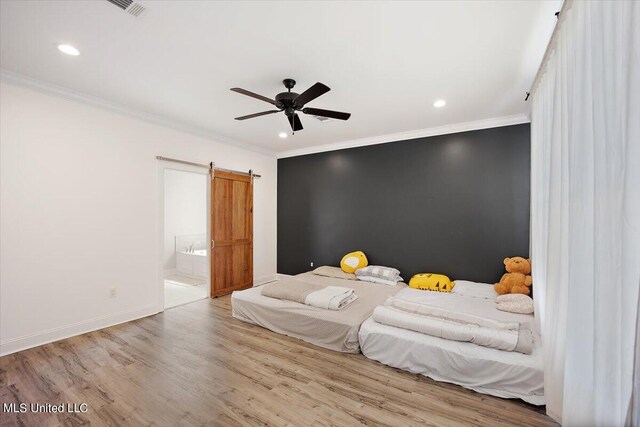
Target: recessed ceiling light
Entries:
(440, 103)
(282, 135)
(68, 49)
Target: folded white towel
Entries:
(331, 298)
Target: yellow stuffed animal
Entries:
(353, 261)
(431, 282)
(517, 279)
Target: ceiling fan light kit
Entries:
(291, 103)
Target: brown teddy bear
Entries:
(517, 279)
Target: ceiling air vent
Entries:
(134, 8)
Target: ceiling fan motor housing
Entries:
(284, 100)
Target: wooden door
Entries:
(231, 232)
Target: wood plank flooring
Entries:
(196, 365)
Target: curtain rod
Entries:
(566, 5)
(209, 166)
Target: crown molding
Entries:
(402, 136)
(63, 92)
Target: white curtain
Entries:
(585, 225)
(634, 406)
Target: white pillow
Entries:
(474, 289)
(379, 271)
(515, 303)
(374, 279)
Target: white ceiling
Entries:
(385, 62)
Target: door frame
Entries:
(163, 165)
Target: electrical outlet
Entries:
(113, 292)
(312, 264)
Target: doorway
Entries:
(185, 236)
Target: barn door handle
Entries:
(213, 244)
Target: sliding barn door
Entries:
(231, 232)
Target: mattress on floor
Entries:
(332, 329)
(486, 370)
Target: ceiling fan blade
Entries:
(327, 113)
(310, 94)
(253, 95)
(251, 116)
(295, 122)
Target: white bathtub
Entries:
(192, 264)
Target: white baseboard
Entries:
(56, 334)
(170, 272)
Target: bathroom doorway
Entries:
(185, 236)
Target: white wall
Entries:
(185, 210)
(79, 214)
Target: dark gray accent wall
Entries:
(455, 204)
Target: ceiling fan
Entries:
(291, 102)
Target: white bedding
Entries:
(485, 370)
(474, 289)
(454, 325)
(333, 329)
(331, 298)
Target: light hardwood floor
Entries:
(196, 365)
